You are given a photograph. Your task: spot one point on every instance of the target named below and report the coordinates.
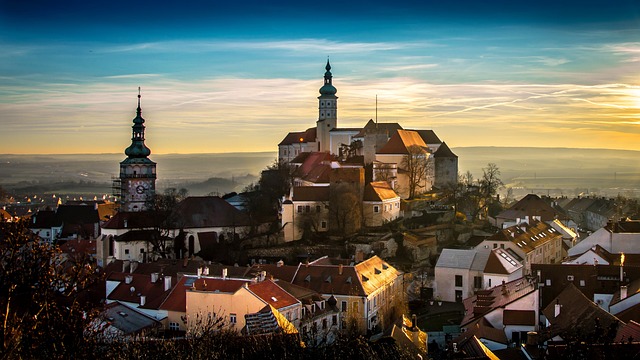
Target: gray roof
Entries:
(463, 259)
(128, 320)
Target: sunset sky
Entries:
(237, 76)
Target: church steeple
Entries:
(327, 110)
(137, 171)
(138, 149)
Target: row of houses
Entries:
(318, 299)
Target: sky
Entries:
(238, 76)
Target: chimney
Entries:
(414, 321)
(623, 292)
(125, 265)
(280, 263)
(557, 309)
(532, 338)
(125, 223)
(154, 277)
(128, 279)
(340, 269)
(224, 274)
(134, 266)
(167, 282)
(263, 275)
(199, 272)
(205, 270)
(143, 299)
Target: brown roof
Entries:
(327, 279)
(311, 193)
(310, 162)
(578, 314)
(141, 285)
(379, 191)
(177, 298)
(499, 296)
(282, 272)
(534, 235)
(444, 151)
(428, 136)
(531, 205)
(372, 127)
(209, 211)
(308, 135)
(519, 317)
(133, 220)
(400, 141)
(77, 246)
(482, 329)
(494, 266)
(273, 294)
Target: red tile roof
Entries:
(133, 220)
(141, 285)
(497, 297)
(219, 285)
(273, 294)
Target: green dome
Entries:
(328, 89)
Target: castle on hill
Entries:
(397, 163)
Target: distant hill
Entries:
(558, 171)
(552, 171)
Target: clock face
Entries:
(140, 189)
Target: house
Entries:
(503, 265)
(531, 206)
(458, 273)
(308, 207)
(597, 282)
(144, 293)
(67, 222)
(210, 298)
(511, 307)
(616, 237)
(118, 322)
(365, 293)
(534, 241)
(267, 321)
(380, 204)
(571, 315)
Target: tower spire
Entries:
(139, 108)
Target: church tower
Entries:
(328, 110)
(137, 171)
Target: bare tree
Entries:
(345, 211)
(165, 219)
(417, 164)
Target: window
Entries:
(324, 324)
(299, 208)
(477, 282)
(141, 251)
(376, 208)
(458, 296)
(458, 280)
(501, 246)
(307, 208)
(318, 208)
(570, 277)
(174, 326)
(489, 282)
(548, 282)
(233, 319)
(334, 320)
(495, 245)
(355, 307)
(582, 283)
(323, 224)
(126, 251)
(343, 306)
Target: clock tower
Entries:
(137, 171)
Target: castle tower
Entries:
(137, 171)
(328, 110)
